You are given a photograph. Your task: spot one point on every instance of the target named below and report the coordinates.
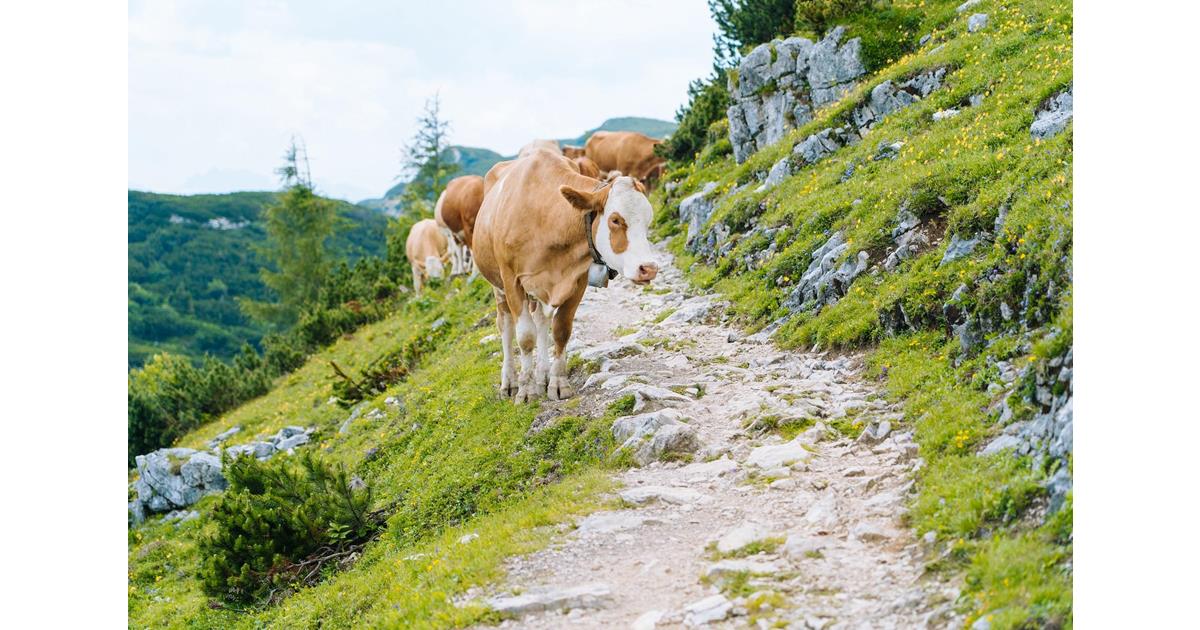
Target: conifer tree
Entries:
(299, 227)
(427, 159)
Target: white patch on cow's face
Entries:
(433, 267)
(637, 262)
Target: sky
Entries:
(217, 88)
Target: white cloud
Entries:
(219, 88)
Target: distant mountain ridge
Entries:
(477, 160)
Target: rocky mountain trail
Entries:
(739, 526)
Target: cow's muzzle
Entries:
(645, 273)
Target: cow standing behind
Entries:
(630, 152)
(531, 245)
(539, 145)
(426, 249)
(455, 212)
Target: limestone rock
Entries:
(828, 277)
(609, 522)
(222, 436)
(977, 22)
(776, 455)
(646, 394)
(833, 67)
(959, 247)
(610, 350)
(778, 85)
(643, 495)
(690, 310)
(707, 610)
(732, 566)
(695, 210)
(647, 620)
(999, 444)
(742, 536)
(594, 595)
(1052, 118)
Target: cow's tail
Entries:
(437, 212)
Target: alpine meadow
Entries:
(800, 358)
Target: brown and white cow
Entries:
(455, 213)
(630, 152)
(539, 145)
(426, 249)
(531, 243)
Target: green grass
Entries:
(457, 458)
(959, 172)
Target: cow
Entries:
(455, 213)
(536, 145)
(586, 166)
(630, 152)
(573, 151)
(493, 175)
(541, 229)
(426, 249)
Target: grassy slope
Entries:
(458, 460)
(184, 278)
(975, 162)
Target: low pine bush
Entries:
(282, 524)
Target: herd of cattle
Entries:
(540, 228)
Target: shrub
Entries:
(820, 15)
(743, 23)
(280, 524)
(169, 396)
(707, 102)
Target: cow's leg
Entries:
(468, 262)
(559, 387)
(458, 259)
(527, 384)
(541, 321)
(416, 278)
(504, 322)
(518, 306)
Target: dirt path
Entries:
(757, 531)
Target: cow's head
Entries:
(622, 237)
(434, 267)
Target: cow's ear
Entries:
(584, 201)
(639, 186)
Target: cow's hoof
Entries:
(559, 388)
(524, 395)
(507, 390)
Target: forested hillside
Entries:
(192, 256)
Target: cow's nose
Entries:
(646, 272)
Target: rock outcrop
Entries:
(779, 84)
(829, 275)
(170, 479)
(1052, 118)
